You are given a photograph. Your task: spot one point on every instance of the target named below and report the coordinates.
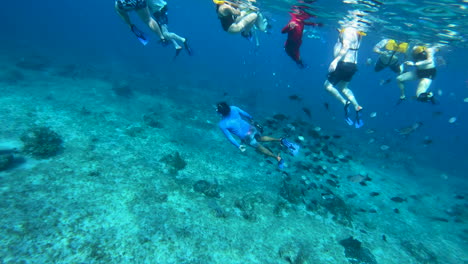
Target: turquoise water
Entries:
(111, 151)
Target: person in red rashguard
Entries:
(295, 28)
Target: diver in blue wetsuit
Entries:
(233, 123)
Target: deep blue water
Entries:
(90, 32)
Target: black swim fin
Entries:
(187, 48)
(140, 35)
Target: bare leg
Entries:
(172, 37)
(329, 87)
(268, 139)
(145, 16)
(407, 76)
(124, 15)
(244, 24)
(349, 94)
(265, 151)
(261, 22)
(423, 86)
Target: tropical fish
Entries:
(397, 199)
(307, 112)
(295, 97)
(410, 129)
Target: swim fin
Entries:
(281, 164)
(348, 120)
(293, 148)
(359, 123)
(140, 35)
(187, 48)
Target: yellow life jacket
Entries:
(394, 46)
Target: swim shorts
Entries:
(252, 136)
(129, 5)
(344, 72)
(380, 66)
(426, 73)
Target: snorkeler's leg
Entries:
(124, 15)
(407, 76)
(350, 95)
(266, 152)
(145, 16)
(245, 24)
(261, 22)
(268, 139)
(423, 86)
(329, 87)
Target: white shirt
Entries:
(351, 37)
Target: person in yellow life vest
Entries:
(240, 17)
(425, 63)
(390, 52)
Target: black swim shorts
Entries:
(395, 67)
(426, 73)
(344, 72)
(129, 5)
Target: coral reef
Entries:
(152, 120)
(207, 188)
(355, 253)
(41, 142)
(174, 162)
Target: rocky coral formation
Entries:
(42, 142)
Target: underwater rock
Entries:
(134, 131)
(246, 205)
(294, 253)
(207, 188)
(419, 252)
(355, 253)
(175, 162)
(292, 190)
(122, 89)
(41, 142)
(217, 209)
(152, 120)
(280, 117)
(339, 209)
(6, 161)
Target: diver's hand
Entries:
(242, 148)
(409, 63)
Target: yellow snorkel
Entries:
(218, 2)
